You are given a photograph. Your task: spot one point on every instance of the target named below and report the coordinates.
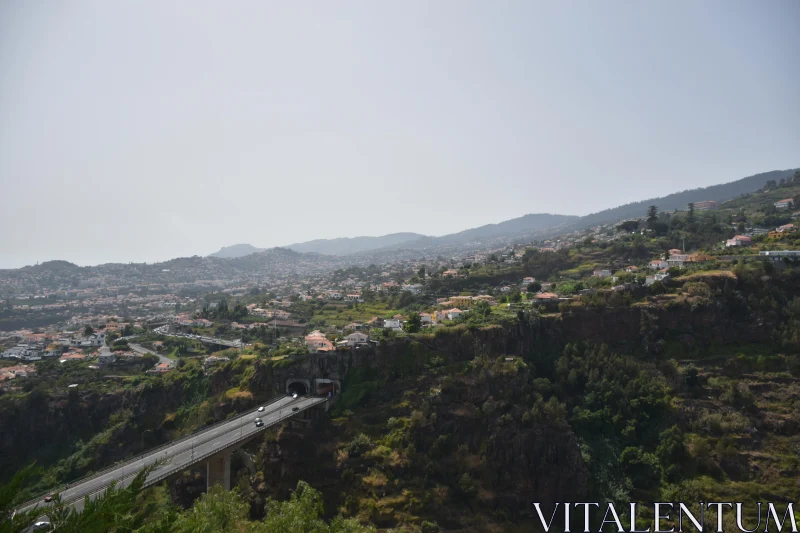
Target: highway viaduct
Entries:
(212, 446)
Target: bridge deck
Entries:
(185, 452)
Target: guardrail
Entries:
(206, 455)
(197, 459)
(142, 455)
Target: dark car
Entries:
(259, 423)
(295, 408)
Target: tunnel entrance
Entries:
(299, 387)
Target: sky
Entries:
(141, 131)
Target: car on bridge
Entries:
(261, 409)
(41, 525)
(259, 422)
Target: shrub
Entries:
(358, 445)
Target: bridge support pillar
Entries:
(218, 470)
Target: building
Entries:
(425, 319)
(413, 288)
(18, 371)
(160, 368)
(392, 323)
(602, 273)
(316, 342)
(780, 254)
(71, 356)
(660, 276)
(106, 358)
(681, 260)
(658, 264)
(357, 338)
(462, 301)
(454, 313)
(786, 228)
(785, 203)
(706, 205)
(739, 240)
(212, 360)
(677, 259)
(546, 297)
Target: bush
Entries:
(428, 527)
(358, 446)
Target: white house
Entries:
(677, 259)
(785, 203)
(658, 264)
(454, 313)
(659, 276)
(602, 273)
(392, 323)
(739, 240)
(357, 338)
(425, 319)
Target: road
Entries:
(164, 330)
(138, 348)
(184, 453)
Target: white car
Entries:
(261, 409)
(294, 396)
(41, 525)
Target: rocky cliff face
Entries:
(47, 428)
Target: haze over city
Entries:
(142, 132)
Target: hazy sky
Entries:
(145, 130)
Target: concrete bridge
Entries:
(212, 446)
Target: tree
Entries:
(303, 514)
(481, 309)
(421, 272)
(652, 217)
(217, 510)
(534, 287)
(88, 330)
(413, 324)
(629, 226)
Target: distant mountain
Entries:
(531, 226)
(237, 250)
(414, 241)
(527, 225)
(352, 245)
(56, 264)
(516, 226)
(680, 200)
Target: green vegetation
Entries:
(132, 509)
(685, 389)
